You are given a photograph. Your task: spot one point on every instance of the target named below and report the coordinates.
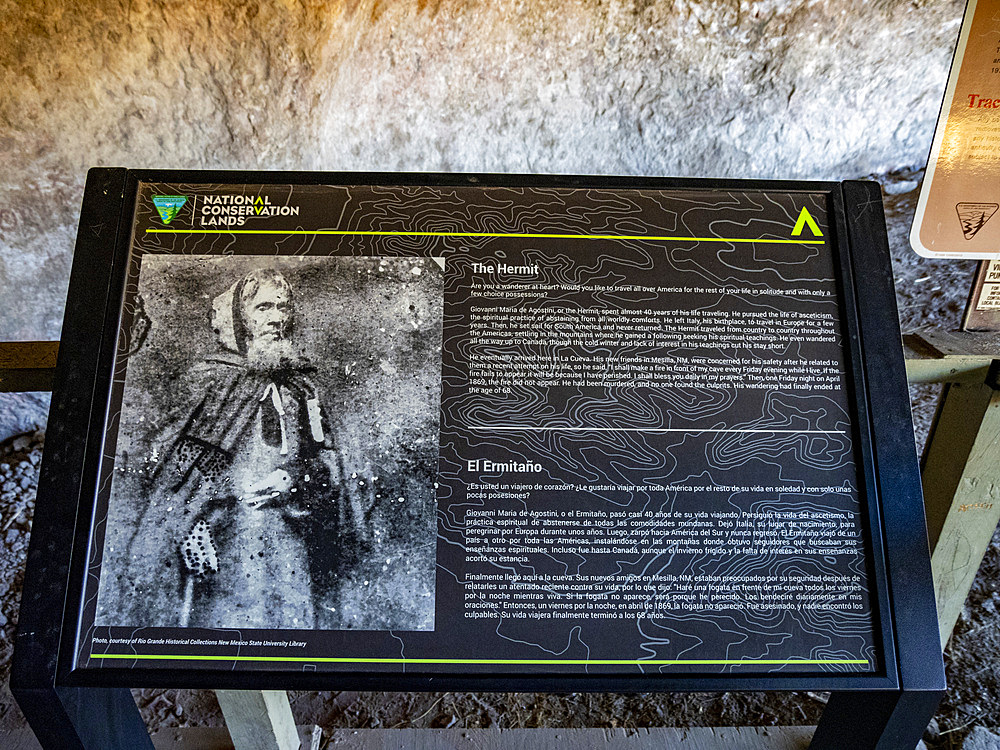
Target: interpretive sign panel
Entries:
(955, 216)
(477, 432)
(483, 429)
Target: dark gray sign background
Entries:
(766, 641)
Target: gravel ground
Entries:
(929, 294)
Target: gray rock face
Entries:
(21, 413)
(797, 88)
(981, 738)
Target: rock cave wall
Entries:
(812, 89)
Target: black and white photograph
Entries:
(277, 445)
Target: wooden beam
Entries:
(955, 343)
(27, 365)
(947, 370)
(259, 719)
(961, 482)
(951, 358)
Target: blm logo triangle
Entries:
(974, 216)
(168, 206)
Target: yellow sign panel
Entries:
(956, 213)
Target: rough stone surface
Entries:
(795, 88)
(22, 412)
(17, 506)
(981, 738)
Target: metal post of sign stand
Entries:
(875, 720)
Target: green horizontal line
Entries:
(380, 660)
(528, 235)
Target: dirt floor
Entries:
(930, 294)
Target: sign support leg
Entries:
(882, 720)
(82, 718)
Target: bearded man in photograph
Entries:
(248, 504)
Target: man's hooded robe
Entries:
(201, 556)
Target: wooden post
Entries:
(259, 719)
(961, 482)
(27, 365)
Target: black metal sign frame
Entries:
(48, 681)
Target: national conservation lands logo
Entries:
(221, 210)
(974, 216)
(167, 206)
